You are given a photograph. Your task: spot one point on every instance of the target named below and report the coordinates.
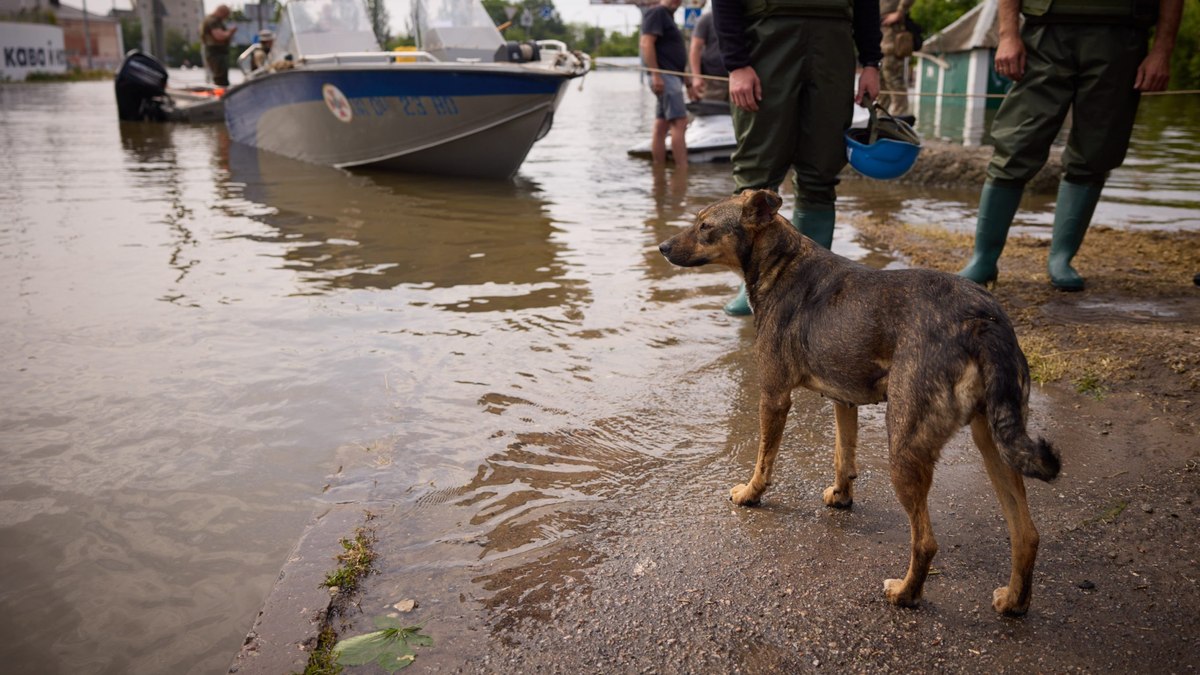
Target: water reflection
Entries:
(487, 245)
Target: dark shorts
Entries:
(671, 105)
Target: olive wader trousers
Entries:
(806, 67)
(216, 57)
(1087, 68)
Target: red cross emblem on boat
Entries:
(337, 103)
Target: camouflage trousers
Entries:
(891, 76)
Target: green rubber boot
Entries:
(740, 304)
(1072, 215)
(997, 206)
(816, 225)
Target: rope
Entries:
(720, 78)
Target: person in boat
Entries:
(791, 80)
(1093, 60)
(216, 38)
(662, 49)
(704, 57)
(266, 39)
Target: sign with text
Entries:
(31, 48)
(638, 3)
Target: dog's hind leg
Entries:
(1012, 599)
(916, 434)
(772, 415)
(845, 470)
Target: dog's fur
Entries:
(938, 348)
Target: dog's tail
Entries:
(1006, 395)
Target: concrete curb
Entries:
(286, 629)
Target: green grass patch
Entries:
(1113, 511)
(1090, 384)
(323, 660)
(354, 562)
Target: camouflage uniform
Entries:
(216, 54)
(891, 70)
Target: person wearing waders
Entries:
(1086, 56)
(791, 84)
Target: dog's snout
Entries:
(665, 247)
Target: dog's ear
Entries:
(760, 207)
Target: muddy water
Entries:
(200, 343)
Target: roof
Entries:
(974, 30)
(68, 12)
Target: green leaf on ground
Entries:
(391, 646)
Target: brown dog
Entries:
(938, 348)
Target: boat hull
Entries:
(446, 119)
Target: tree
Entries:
(378, 13)
(1185, 60)
(547, 24)
(934, 15)
(131, 33)
(179, 50)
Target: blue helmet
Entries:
(886, 149)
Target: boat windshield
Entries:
(456, 29)
(325, 27)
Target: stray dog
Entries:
(936, 347)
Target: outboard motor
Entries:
(518, 52)
(141, 88)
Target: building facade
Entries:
(182, 16)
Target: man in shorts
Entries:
(663, 50)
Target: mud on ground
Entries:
(675, 579)
(1135, 330)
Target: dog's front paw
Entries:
(1008, 603)
(897, 594)
(744, 495)
(838, 499)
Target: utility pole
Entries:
(87, 36)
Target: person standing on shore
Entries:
(1091, 59)
(662, 49)
(216, 39)
(897, 47)
(704, 58)
(791, 80)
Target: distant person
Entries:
(791, 80)
(1091, 59)
(662, 49)
(266, 39)
(704, 57)
(897, 47)
(216, 39)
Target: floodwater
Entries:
(200, 343)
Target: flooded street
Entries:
(203, 343)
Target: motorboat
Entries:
(710, 136)
(464, 102)
(144, 95)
